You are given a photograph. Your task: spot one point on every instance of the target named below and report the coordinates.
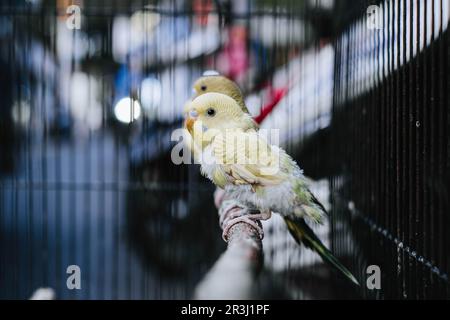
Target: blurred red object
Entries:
(202, 8)
(233, 61)
(275, 96)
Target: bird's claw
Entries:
(234, 213)
(263, 216)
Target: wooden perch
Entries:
(234, 274)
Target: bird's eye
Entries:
(211, 112)
(203, 88)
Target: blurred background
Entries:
(91, 91)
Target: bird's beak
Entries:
(192, 117)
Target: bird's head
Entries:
(219, 112)
(219, 84)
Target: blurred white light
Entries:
(21, 112)
(144, 23)
(79, 93)
(121, 38)
(150, 94)
(127, 110)
(131, 33)
(69, 44)
(85, 108)
(43, 294)
(324, 4)
(178, 79)
(254, 103)
(274, 30)
(209, 73)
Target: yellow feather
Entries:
(248, 158)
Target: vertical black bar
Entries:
(401, 149)
(423, 118)
(405, 133)
(410, 123)
(417, 205)
(429, 163)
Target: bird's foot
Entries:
(232, 213)
(263, 216)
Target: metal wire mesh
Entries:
(390, 139)
(86, 174)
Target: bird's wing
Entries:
(317, 203)
(247, 158)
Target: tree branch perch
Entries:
(233, 275)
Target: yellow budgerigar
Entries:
(212, 81)
(235, 157)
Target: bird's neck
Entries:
(247, 123)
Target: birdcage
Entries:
(391, 195)
(92, 99)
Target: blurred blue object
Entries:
(153, 142)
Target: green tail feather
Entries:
(302, 233)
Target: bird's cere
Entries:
(193, 114)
